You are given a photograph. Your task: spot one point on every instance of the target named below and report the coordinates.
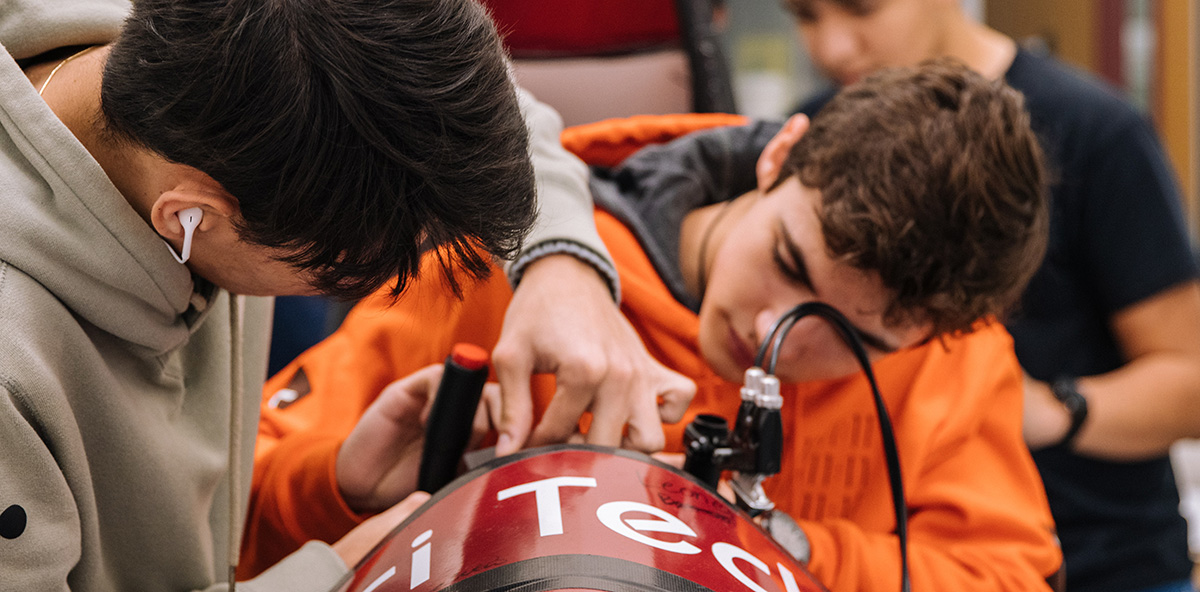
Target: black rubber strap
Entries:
(1068, 394)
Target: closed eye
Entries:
(790, 259)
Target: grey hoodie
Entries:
(125, 386)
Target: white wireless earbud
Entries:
(189, 219)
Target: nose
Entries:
(831, 42)
(762, 325)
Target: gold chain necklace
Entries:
(61, 64)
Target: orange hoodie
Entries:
(978, 516)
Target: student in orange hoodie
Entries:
(915, 204)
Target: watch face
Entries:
(579, 518)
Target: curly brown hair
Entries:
(931, 177)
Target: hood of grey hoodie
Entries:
(64, 222)
(167, 432)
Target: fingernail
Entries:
(502, 444)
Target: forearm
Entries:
(564, 201)
(1139, 410)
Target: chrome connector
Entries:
(752, 383)
(769, 397)
(747, 488)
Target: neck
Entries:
(701, 235)
(985, 50)
(73, 94)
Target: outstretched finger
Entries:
(644, 431)
(561, 418)
(516, 401)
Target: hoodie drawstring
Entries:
(236, 384)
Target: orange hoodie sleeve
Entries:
(979, 519)
(310, 407)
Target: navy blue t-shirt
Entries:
(1117, 237)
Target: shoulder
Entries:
(27, 304)
(1069, 103)
(39, 337)
(28, 309)
(988, 341)
(956, 374)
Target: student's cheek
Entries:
(814, 352)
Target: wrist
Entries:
(1067, 392)
(603, 269)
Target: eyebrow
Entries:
(800, 274)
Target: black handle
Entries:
(449, 428)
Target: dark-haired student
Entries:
(280, 147)
(1106, 331)
(915, 204)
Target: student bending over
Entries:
(914, 204)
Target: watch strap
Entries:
(1066, 391)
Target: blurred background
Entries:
(1146, 48)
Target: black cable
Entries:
(777, 340)
(761, 356)
(849, 334)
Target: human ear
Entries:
(772, 157)
(179, 213)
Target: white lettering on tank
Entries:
(611, 515)
(726, 553)
(549, 505)
(387, 575)
(419, 574)
(789, 580)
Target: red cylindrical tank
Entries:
(579, 518)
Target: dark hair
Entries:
(350, 131)
(933, 178)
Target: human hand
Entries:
(358, 542)
(378, 464)
(1046, 419)
(562, 320)
(673, 459)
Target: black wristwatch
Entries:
(1065, 391)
